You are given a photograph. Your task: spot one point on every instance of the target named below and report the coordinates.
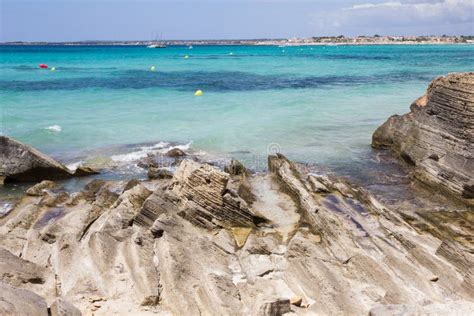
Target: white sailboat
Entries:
(157, 44)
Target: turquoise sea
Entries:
(316, 104)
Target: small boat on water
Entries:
(157, 45)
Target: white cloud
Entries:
(374, 5)
(393, 15)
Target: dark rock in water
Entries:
(175, 153)
(83, 171)
(158, 161)
(22, 163)
(437, 137)
(38, 189)
(159, 173)
(235, 168)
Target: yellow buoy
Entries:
(152, 68)
(198, 93)
(53, 68)
(186, 57)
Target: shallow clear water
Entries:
(314, 104)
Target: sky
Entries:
(74, 20)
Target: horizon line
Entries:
(228, 39)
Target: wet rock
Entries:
(19, 162)
(175, 153)
(437, 137)
(83, 171)
(61, 307)
(38, 189)
(22, 163)
(235, 168)
(159, 173)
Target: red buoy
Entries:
(43, 66)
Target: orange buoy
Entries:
(43, 66)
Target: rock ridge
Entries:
(436, 138)
(304, 243)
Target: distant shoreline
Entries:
(314, 41)
(233, 44)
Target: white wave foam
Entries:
(54, 128)
(141, 153)
(181, 147)
(73, 166)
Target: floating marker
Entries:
(53, 68)
(186, 57)
(198, 93)
(231, 53)
(43, 66)
(152, 68)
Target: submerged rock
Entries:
(235, 168)
(38, 189)
(159, 173)
(437, 137)
(83, 171)
(175, 153)
(22, 163)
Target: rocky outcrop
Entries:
(22, 163)
(14, 301)
(304, 243)
(437, 137)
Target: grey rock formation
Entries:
(175, 153)
(276, 308)
(61, 307)
(159, 173)
(39, 188)
(304, 244)
(235, 168)
(14, 301)
(437, 137)
(19, 162)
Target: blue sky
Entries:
(69, 20)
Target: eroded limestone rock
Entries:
(437, 137)
(22, 163)
(304, 243)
